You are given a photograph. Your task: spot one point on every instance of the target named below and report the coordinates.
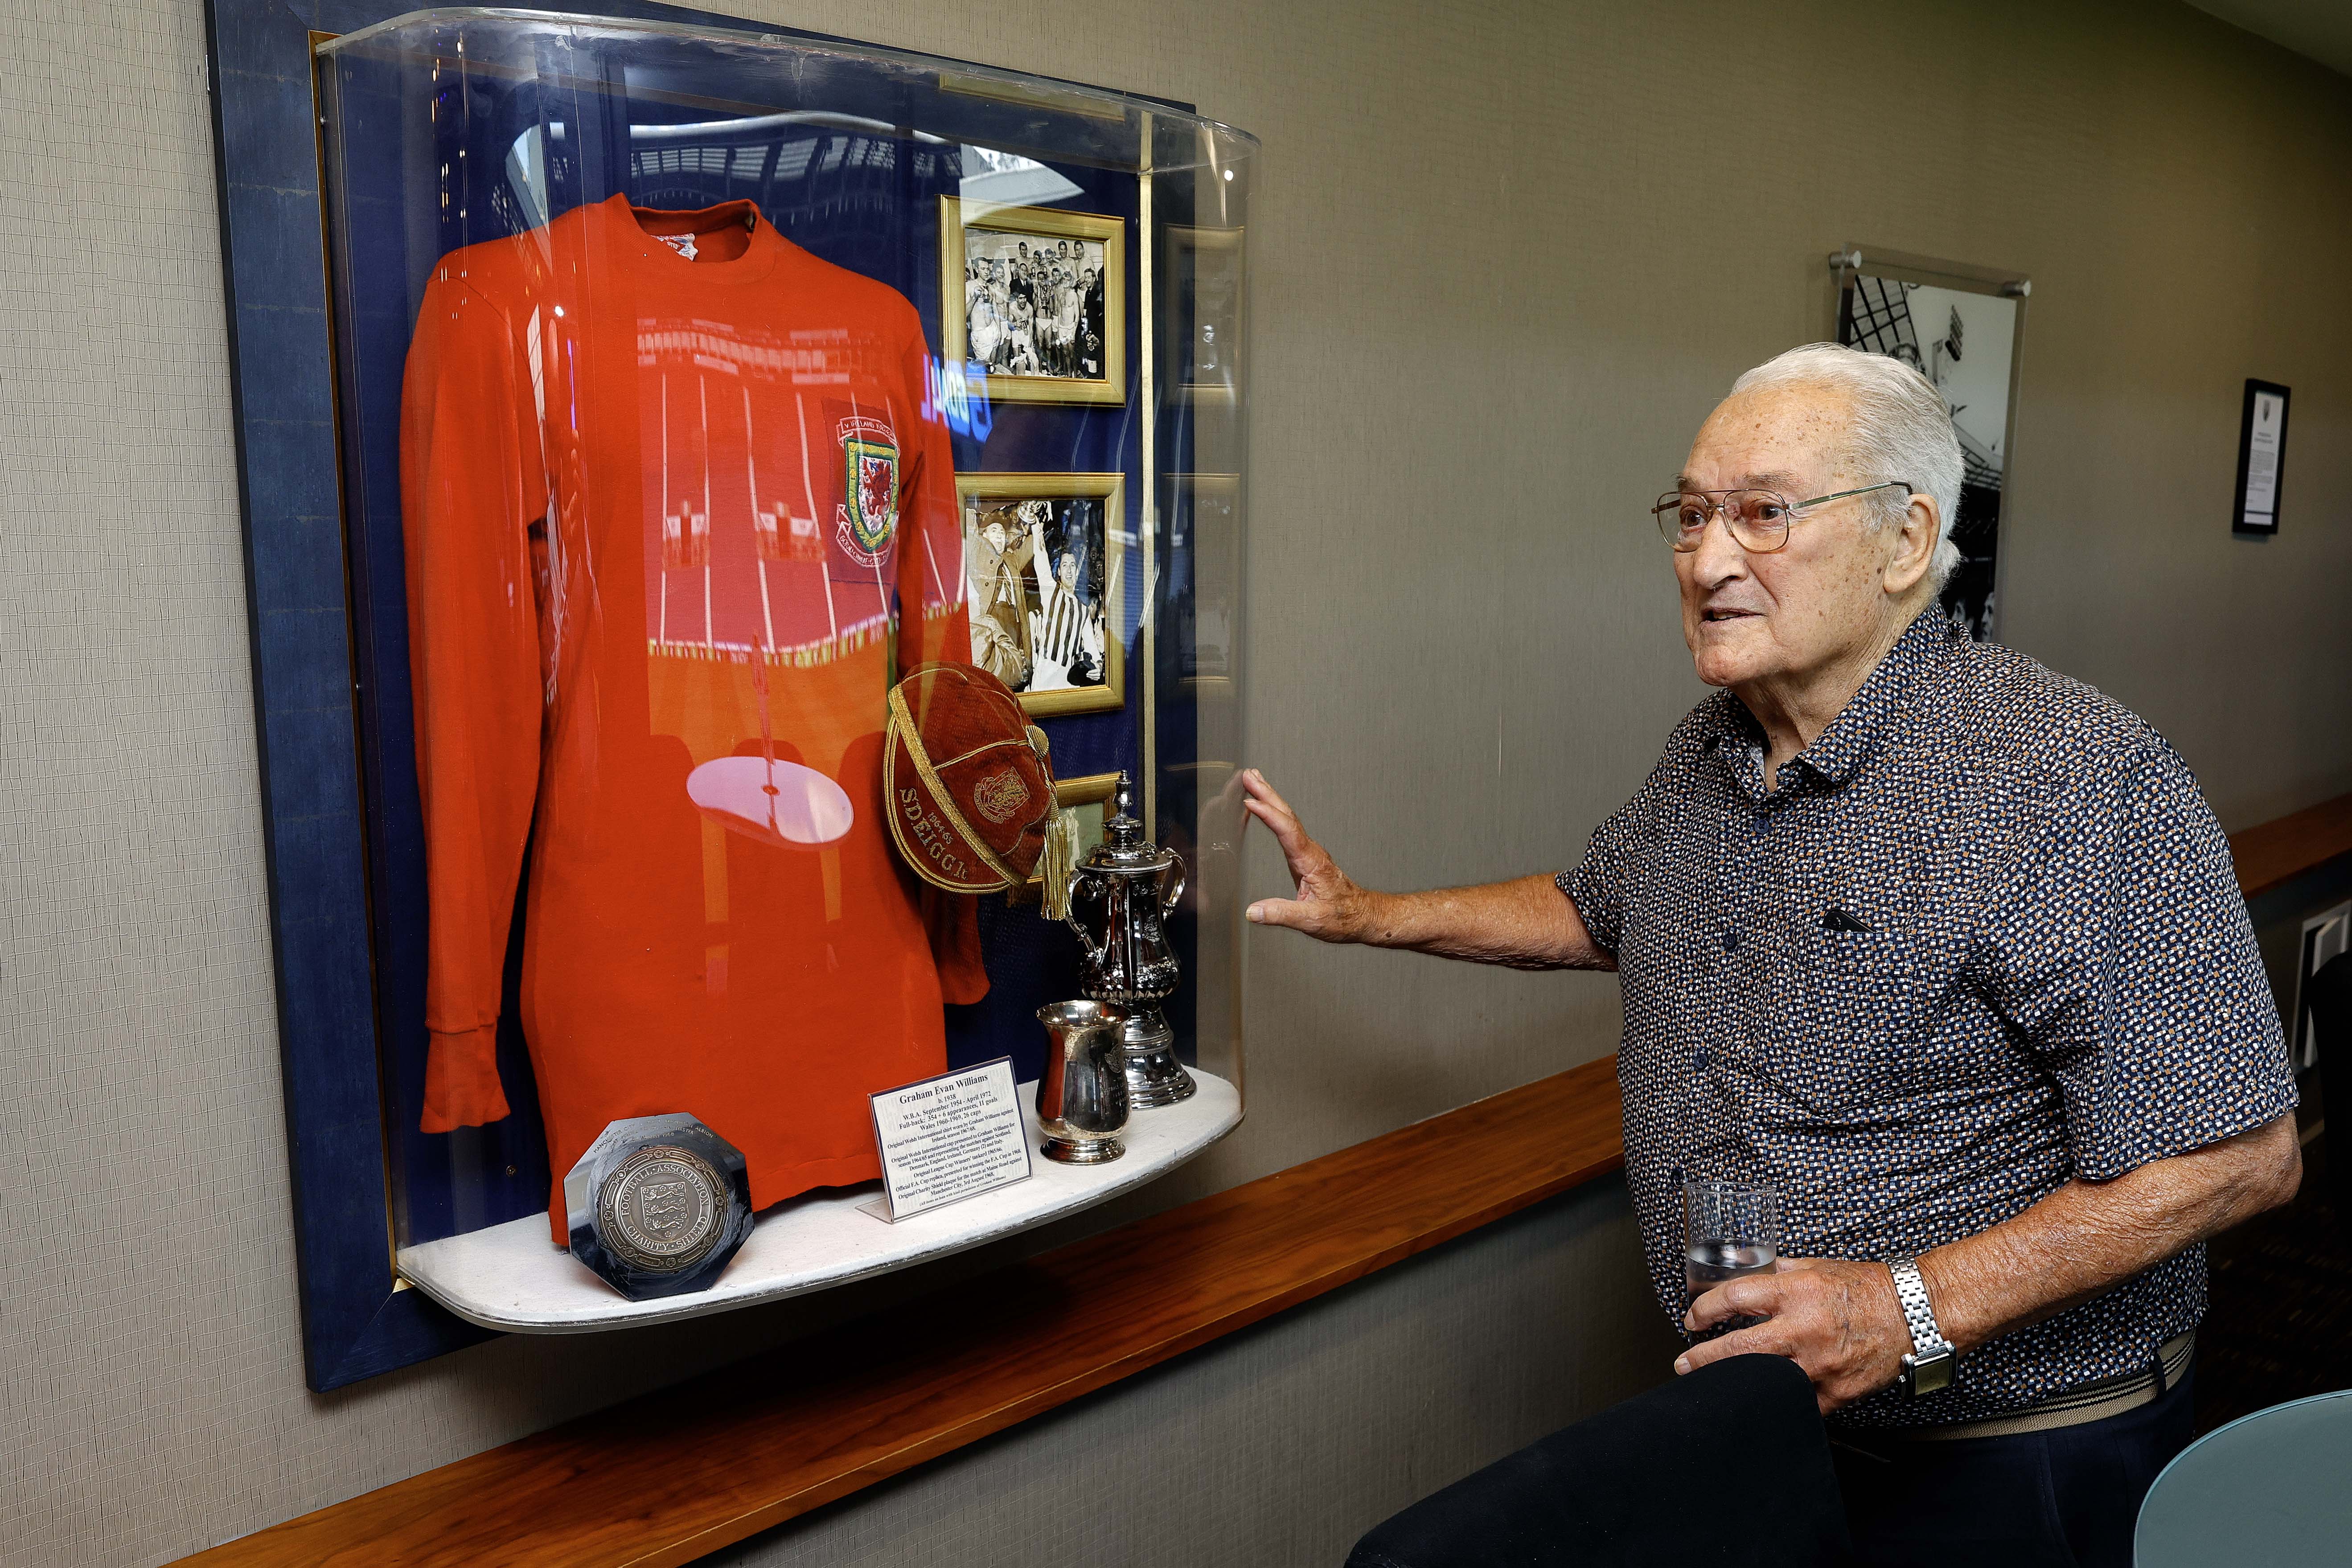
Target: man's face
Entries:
(1795, 611)
(1068, 571)
(994, 534)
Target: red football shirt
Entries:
(669, 485)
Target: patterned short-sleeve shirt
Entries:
(1983, 936)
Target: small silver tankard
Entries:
(1126, 887)
(1082, 1093)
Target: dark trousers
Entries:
(2062, 1498)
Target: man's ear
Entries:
(1915, 549)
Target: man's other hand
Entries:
(1328, 906)
(1843, 1323)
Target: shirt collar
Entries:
(1850, 738)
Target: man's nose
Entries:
(1718, 558)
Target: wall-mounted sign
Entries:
(2262, 457)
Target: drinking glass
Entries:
(1729, 1230)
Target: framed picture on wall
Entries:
(2262, 457)
(1035, 297)
(1201, 612)
(1962, 327)
(1043, 566)
(1205, 275)
(1088, 796)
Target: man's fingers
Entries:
(1753, 1296)
(1295, 913)
(1287, 831)
(1254, 782)
(1759, 1341)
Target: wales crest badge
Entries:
(867, 516)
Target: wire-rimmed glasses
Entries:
(1759, 520)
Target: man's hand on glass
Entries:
(1841, 1321)
(1525, 923)
(1328, 907)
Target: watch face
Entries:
(1932, 1375)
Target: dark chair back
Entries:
(1729, 1465)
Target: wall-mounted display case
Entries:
(691, 386)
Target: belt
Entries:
(2075, 1408)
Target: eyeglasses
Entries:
(1759, 520)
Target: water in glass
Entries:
(1707, 1264)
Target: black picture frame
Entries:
(2267, 524)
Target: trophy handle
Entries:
(1094, 950)
(1170, 893)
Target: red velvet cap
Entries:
(969, 780)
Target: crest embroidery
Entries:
(999, 795)
(867, 516)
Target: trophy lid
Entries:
(1124, 847)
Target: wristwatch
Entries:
(1928, 1368)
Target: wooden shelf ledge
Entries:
(2271, 854)
(674, 1475)
(678, 1474)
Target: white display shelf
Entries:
(509, 1276)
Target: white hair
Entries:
(1902, 429)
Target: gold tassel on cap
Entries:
(1060, 862)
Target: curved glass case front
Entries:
(695, 385)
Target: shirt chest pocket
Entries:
(1848, 1022)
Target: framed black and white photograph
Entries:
(2325, 936)
(1960, 326)
(2262, 457)
(1200, 592)
(1204, 283)
(1044, 561)
(1034, 299)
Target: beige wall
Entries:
(1504, 256)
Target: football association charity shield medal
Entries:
(658, 1205)
(1125, 888)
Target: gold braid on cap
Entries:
(923, 768)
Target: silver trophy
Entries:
(1125, 889)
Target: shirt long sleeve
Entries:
(471, 484)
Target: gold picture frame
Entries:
(1088, 796)
(1205, 275)
(1010, 228)
(1009, 600)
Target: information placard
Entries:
(2262, 457)
(948, 1138)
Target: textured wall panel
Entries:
(1504, 256)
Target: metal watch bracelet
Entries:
(1927, 1369)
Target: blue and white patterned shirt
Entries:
(2054, 978)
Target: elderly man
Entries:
(1945, 948)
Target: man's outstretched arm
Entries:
(1525, 923)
